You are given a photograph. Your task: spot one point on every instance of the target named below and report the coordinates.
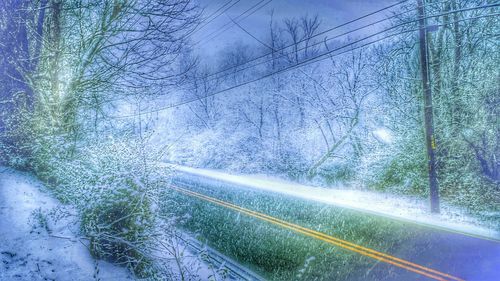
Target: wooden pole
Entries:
(428, 118)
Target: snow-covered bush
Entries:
(398, 167)
(114, 183)
(15, 138)
(337, 172)
(119, 214)
(118, 226)
(120, 218)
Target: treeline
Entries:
(332, 112)
(66, 67)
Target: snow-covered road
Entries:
(443, 243)
(405, 208)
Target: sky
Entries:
(331, 13)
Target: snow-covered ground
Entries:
(38, 246)
(406, 208)
(39, 240)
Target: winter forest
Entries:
(249, 140)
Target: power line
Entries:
(250, 34)
(316, 35)
(323, 32)
(284, 55)
(272, 49)
(204, 22)
(317, 43)
(308, 61)
(319, 58)
(228, 25)
(214, 34)
(221, 13)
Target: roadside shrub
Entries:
(339, 172)
(118, 226)
(120, 201)
(114, 183)
(404, 174)
(397, 167)
(16, 136)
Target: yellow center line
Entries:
(431, 273)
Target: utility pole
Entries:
(428, 120)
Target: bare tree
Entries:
(206, 109)
(310, 26)
(96, 52)
(350, 85)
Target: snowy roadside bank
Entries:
(40, 241)
(405, 208)
(38, 246)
